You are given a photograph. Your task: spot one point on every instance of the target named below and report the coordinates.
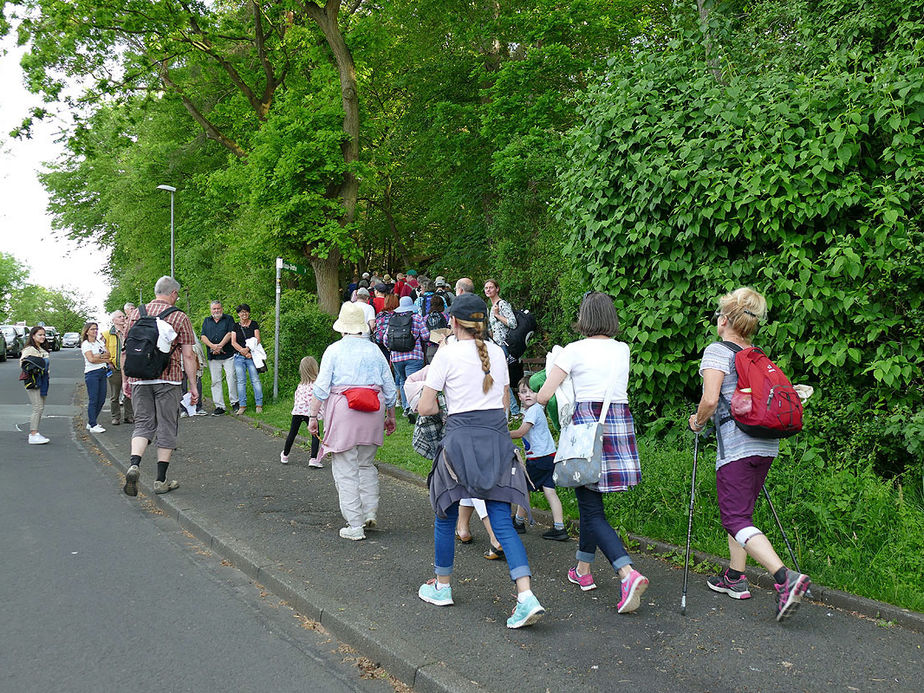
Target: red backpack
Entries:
(765, 404)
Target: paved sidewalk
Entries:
(279, 525)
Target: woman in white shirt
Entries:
(599, 364)
(96, 364)
(476, 457)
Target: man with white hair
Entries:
(128, 308)
(119, 405)
(157, 401)
(216, 335)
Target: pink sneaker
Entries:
(633, 588)
(586, 582)
(316, 463)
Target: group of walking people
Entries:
(467, 386)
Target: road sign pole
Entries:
(276, 340)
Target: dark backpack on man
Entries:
(143, 359)
(518, 338)
(399, 336)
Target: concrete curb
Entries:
(838, 599)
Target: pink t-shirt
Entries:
(302, 399)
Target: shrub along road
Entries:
(279, 524)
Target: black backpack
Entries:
(436, 321)
(399, 336)
(519, 336)
(143, 359)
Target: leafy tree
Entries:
(12, 275)
(66, 309)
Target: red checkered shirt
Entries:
(179, 321)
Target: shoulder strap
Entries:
(142, 310)
(169, 311)
(606, 402)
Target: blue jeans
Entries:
(596, 531)
(96, 393)
(402, 370)
(243, 366)
(444, 539)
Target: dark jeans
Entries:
(297, 421)
(96, 393)
(596, 531)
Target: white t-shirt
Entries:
(594, 366)
(98, 347)
(368, 312)
(456, 371)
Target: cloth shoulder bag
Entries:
(579, 458)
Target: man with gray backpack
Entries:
(158, 333)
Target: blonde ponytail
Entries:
(476, 329)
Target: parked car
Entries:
(12, 343)
(52, 338)
(70, 340)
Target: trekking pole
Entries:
(779, 523)
(686, 560)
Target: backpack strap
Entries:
(142, 310)
(720, 420)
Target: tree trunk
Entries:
(327, 275)
(327, 19)
(711, 60)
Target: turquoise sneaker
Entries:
(526, 613)
(432, 595)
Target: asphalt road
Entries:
(100, 593)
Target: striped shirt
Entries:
(179, 321)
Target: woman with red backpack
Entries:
(743, 460)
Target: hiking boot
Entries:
(131, 480)
(789, 594)
(37, 439)
(633, 587)
(556, 534)
(431, 593)
(525, 613)
(585, 582)
(736, 589)
(165, 486)
(352, 533)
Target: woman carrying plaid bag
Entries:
(596, 364)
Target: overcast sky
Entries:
(25, 227)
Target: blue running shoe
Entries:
(526, 613)
(430, 593)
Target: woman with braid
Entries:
(476, 457)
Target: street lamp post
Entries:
(171, 190)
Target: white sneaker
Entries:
(284, 458)
(352, 533)
(37, 439)
(96, 429)
(202, 412)
(183, 415)
(316, 463)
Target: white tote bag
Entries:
(579, 458)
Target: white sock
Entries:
(441, 585)
(523, 596)
(627, 577)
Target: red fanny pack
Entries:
(362, 399)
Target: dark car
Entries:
(52, 338)
(70, 340)
(12, 343)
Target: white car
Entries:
(70, 340)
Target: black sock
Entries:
(162, 471)
(733, 574)
(136, 459)
(780, 575)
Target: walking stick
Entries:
(792, 554)
(686, 560)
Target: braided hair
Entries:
(476, 329)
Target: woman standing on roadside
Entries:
(475, 458)
(35, 365)
(501, 321)
(244, 330)
(598, 366)
(96, 364)
(742, 461)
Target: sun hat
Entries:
(405, 305)
(351, 320)
(365, 275)
(468, 307)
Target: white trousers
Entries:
(215, 368)
(357, 482)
